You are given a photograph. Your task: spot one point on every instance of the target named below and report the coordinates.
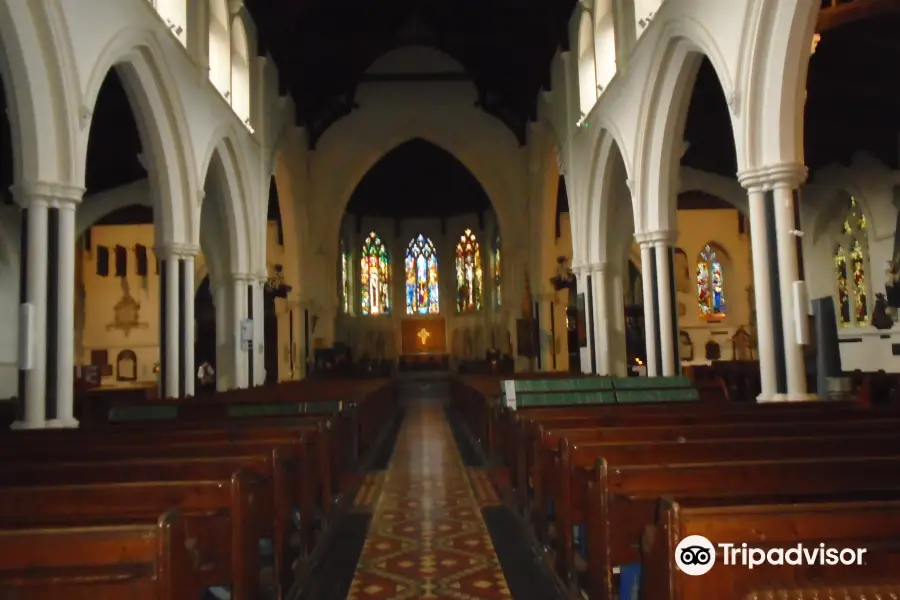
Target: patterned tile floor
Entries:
(428, 538)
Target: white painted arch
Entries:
(135, 54)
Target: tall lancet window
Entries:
(468, 273)
(345, 279)
(497, 302)
(710, 283)
(851, 258)
(375, 277)
(422, 296)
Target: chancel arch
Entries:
(422, 278)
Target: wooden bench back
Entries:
(220, 517)
(870, 526)
(140, 561)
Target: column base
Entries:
(787, 398)
(70, 423)
(22, 425)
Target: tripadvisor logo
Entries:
(696, 555)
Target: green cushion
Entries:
(634, 383)
(145, 412)
(640, 396)
(283, 408)
(566, 399)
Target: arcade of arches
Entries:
(659, 264)
(190, 212)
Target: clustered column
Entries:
(176, 319)
(774, 224)
(47, 295)
(660, 304)
(583, 276)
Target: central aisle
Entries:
(427, 538)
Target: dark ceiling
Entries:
(418, 180)
(853, 100)
(322, 48)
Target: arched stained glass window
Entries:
(345, 279)
(497, 271)
(468, 273)
(710, 284)
(375, 277)
(422, 296)
(850, 262)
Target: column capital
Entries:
(52, 194)
(654, 238)
(246, 278)
(176, 250)
(769, 177)
(597, 267)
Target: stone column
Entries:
(65, 312)
(774, 226)
(47, 280)
(666, 305)
(651, 329)
(762, 289)
(601, 324)
(170, 320)
(188, 325)
(787, 180)
(35, 411)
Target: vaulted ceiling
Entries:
(323, 48)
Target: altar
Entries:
(423, 336)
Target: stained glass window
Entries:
(497, 271)
(710, 284)
(468, 273)
(375, 276)
(422, 296)
(850, 259)
(345, 279)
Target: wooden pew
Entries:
(220, 520)
(872, 526)
(623, 500)
(539, 441)
(570, 496)
(144, 561)
(275, 500)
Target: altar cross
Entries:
(423, 335)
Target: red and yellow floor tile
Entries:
(428, 538)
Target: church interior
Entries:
(304, 300)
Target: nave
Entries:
(432, 520)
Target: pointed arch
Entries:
(240, 71)
(220, 47)
(469, 275)
(422, 293)
(375, 277)
(223, 226)
(135, 54)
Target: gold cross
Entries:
(423, 335)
